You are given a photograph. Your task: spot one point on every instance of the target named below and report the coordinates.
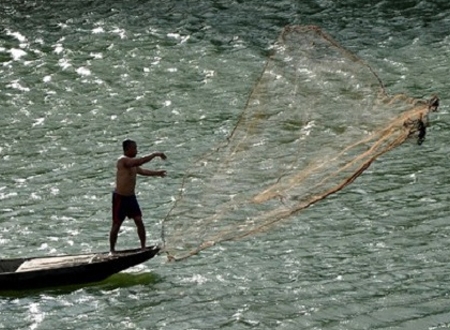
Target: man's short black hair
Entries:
(127, 143)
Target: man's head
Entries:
(129, 148)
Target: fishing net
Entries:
(316, 119)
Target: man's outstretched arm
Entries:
(145, 172)
(136, 162)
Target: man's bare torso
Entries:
(125, 178)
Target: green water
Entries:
(78, 77)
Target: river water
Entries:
(79, 77)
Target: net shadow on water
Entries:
(315, 120)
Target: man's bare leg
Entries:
(140, 230)
(113, 237)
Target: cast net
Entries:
(315, 120)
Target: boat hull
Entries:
(63, 271)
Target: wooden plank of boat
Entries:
(41, 272)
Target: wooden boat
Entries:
(42, 272)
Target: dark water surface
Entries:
(77, 77)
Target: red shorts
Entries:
(124, 206)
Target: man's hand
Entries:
(162, 155)
(162, 173)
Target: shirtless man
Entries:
(124, 202)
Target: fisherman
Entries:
(124, 202)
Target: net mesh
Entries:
(316, 119)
